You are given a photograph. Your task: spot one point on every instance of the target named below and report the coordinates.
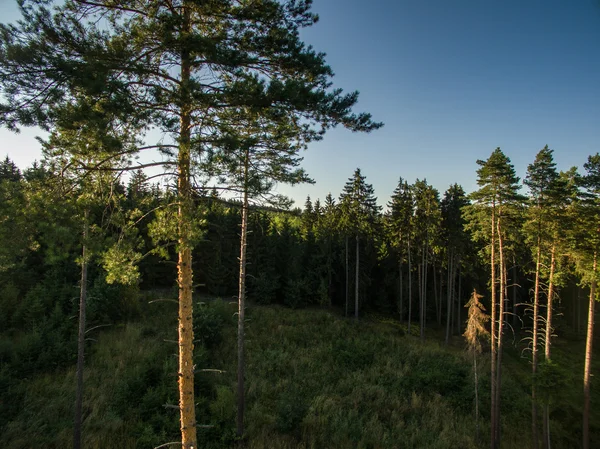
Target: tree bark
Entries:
(409, 285)
(449, 298)
(347, 278)
(534, 340)
(435, 296)
(500, 339)
(357, 282)
(187, 408)
(476, 397)
(422, 296)
(81, 336)
(514, 294)
(401, 305)
(547, 349)
(241, 402)
(493, 331)
(588, 363)
(458, 296)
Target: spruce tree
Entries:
(400, 227)
(359, 213)
(456, 240)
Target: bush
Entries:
(208, 325)
(291, 410)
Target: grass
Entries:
(314, 380)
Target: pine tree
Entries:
(60, 65)
(489, 218)
(542, 179)
(586, 247)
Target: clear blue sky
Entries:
(452, 80)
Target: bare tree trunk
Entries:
(579, 301)
(425, 270)
(409, 285)
(458, 296)
(534, 344)
(588, 363)
(187, 409)
(422, 296)
(449, 297)
(476, 397)
(514, 294)
(441, 294)
(401, 305)
(493, 333)
(357, 281)
(347, 278)
(548, 340)
(435, 296)
(500, 339)
(241, 399)
(81, 336)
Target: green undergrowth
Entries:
(314, 380)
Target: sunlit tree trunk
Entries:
(534, 343)
(184, 266)
(588, 362)
(500, 339)
(547, 349)
(493, 331)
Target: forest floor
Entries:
(314, 380)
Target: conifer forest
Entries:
(178, 300)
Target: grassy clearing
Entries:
(315, 380)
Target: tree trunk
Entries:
(440, 294)
(425, 270)
(241, 402)
(435, 296)
(458, 296)
(409, 286)
(357, 281)
(187, 408)
(81, 337)
(476, 397)
(514, 294)
(347, 278)
(534, 340)
(493, 332)
(422, 296)
(401, 305)
(588, 363)
(449, 298)
(548, 340)
(500, 339)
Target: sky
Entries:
(451, 80)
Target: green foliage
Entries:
(208, 325)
